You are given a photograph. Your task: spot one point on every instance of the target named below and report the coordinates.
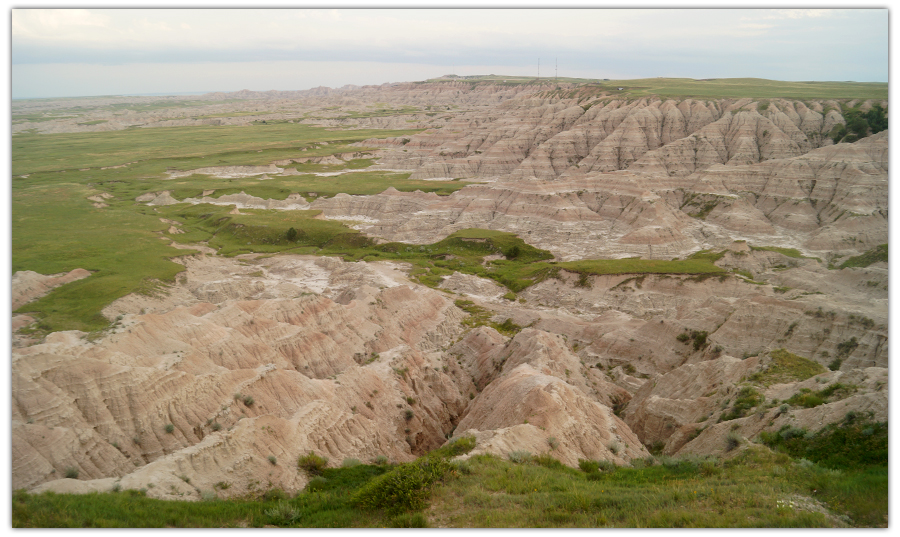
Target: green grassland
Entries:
(754, 88)
(755, 489)
(181, 147)
(56, 229)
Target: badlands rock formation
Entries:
(253, 359)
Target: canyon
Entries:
(200, 384)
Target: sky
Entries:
(79, 52)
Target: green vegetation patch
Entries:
(875, 255)
(789, 252)
(859, 124)
(857, 441)
(754, 88)
(479, 316)
(183, 147)
(747, 399)
(786, 367)
(808, 398)
(702, 262)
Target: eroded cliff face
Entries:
(254, 357)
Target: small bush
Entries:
(71, 472)
(410, 401)
(316, 484)
(607, 466)
(283, 513)
(274, 495)
(460, 446)
(169, 428)
(248, 400)
(409, 520)
(408, 415)
(553, 442)
(405, 488)
(273, 460)
(350, 463)
(519, 456)
(312, 464)
(588, 466)
(683, 337)
(216, 426)
(380, 460)
(835, 364)
(547, 461)
(614, 447)
(732, 440)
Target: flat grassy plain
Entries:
(754, 88)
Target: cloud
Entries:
(800, 13)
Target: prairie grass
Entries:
(786, 367)
(788, 252)
(487, 491)
(879, 253)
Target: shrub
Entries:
(350, 463)
(380, 460)
(845, 348)
(405, 488)
(312, 464)
(216, 426)
(169, 428)
(71, 472)
(587, 466)
(273, 460)
(547, 461)
(275, 494)
(408, 415)
(607, 466)
(316, 484)
(410, 401)
(248, 400)
(460, 446)
(732, 440)
(683, 337)
(283, 513)
(553, 442)
(614, 447)
(747, 399)
(835, 364)
(519, 456)
(409, 520)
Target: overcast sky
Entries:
(76, 52)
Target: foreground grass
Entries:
(753, 490)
